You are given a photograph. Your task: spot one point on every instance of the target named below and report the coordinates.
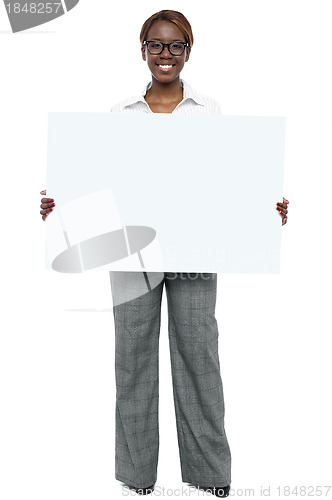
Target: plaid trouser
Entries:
(197, 386)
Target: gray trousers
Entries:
(197, 386)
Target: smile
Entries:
(165, 67)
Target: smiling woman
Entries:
(166, 41)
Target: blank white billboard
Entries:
(164, 192)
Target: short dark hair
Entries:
(174, 17)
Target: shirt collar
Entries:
(188, 93)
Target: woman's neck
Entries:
(164, 93)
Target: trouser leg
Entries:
(197, 386)
(137, 327)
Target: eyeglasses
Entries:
(175, 48)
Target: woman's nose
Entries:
(166, 47)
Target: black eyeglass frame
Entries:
(146, 42)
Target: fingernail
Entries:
(52, 199)
(278, 204)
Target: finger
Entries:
(47, 204)
(284, 200)
(44, 216)
(281, 205)
(46, 211)
(43, 192)
(282, 211)
(284, 221)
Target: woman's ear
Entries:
(187, 53)
(143, 52)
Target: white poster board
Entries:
(164, 192)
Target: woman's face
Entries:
(167, 32)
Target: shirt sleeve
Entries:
(117, 107)
(217, 108)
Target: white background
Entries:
(57, 383)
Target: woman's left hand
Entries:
(282, 209)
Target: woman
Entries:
(166, 40)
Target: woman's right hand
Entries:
(47, 205)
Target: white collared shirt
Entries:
(192, 102)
